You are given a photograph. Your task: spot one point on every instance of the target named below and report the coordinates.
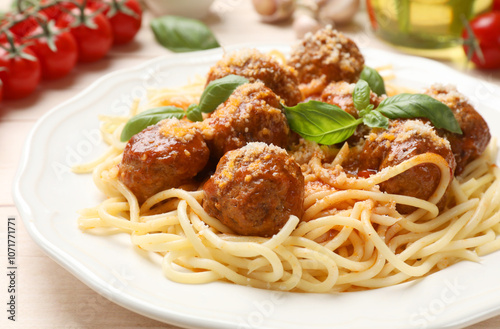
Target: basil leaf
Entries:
(375, 119)
(321, 122)
(218, 91)
(407, 106)
(367, 110)
(374, 80)
(181, 34)
(148, 118)
(361, 95)
(193, 113)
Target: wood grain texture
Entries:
(50, 297)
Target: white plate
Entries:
(48, 197)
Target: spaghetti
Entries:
(350, 237)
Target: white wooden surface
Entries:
(48, 296)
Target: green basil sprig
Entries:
(321, 122)
(375, 119)
(216, 93)
(149, 117)
(361, 99)
(374, 80)
(328, 124)
(361, 95)
(180, 34)
(407, 106)
(193, 113)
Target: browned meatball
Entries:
(256, 66)
(324, 57)
(403, 140)
(476, 134)
(251, 114)
(162, 156)
(255, 190)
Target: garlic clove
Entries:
(272, 11)
(304, 24)
(337, 11)
(265, 7)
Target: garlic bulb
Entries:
(310, 15)
(274, 10)
(337, 11)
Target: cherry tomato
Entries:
(22, 28)
(486, 29)
(57, 10)
(97, 5)
(496, 5)
(21, 75)
(125, 17)
(56, 61)
(94, 36)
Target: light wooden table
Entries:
(48, 296)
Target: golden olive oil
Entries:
(423, 24)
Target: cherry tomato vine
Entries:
(46, 38)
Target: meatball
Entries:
(162, 156)
(255, 190)
(251, 114)
(256, 66)
(324, 57)
(403, 140)
(476, 134)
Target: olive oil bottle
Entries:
(423, 24)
